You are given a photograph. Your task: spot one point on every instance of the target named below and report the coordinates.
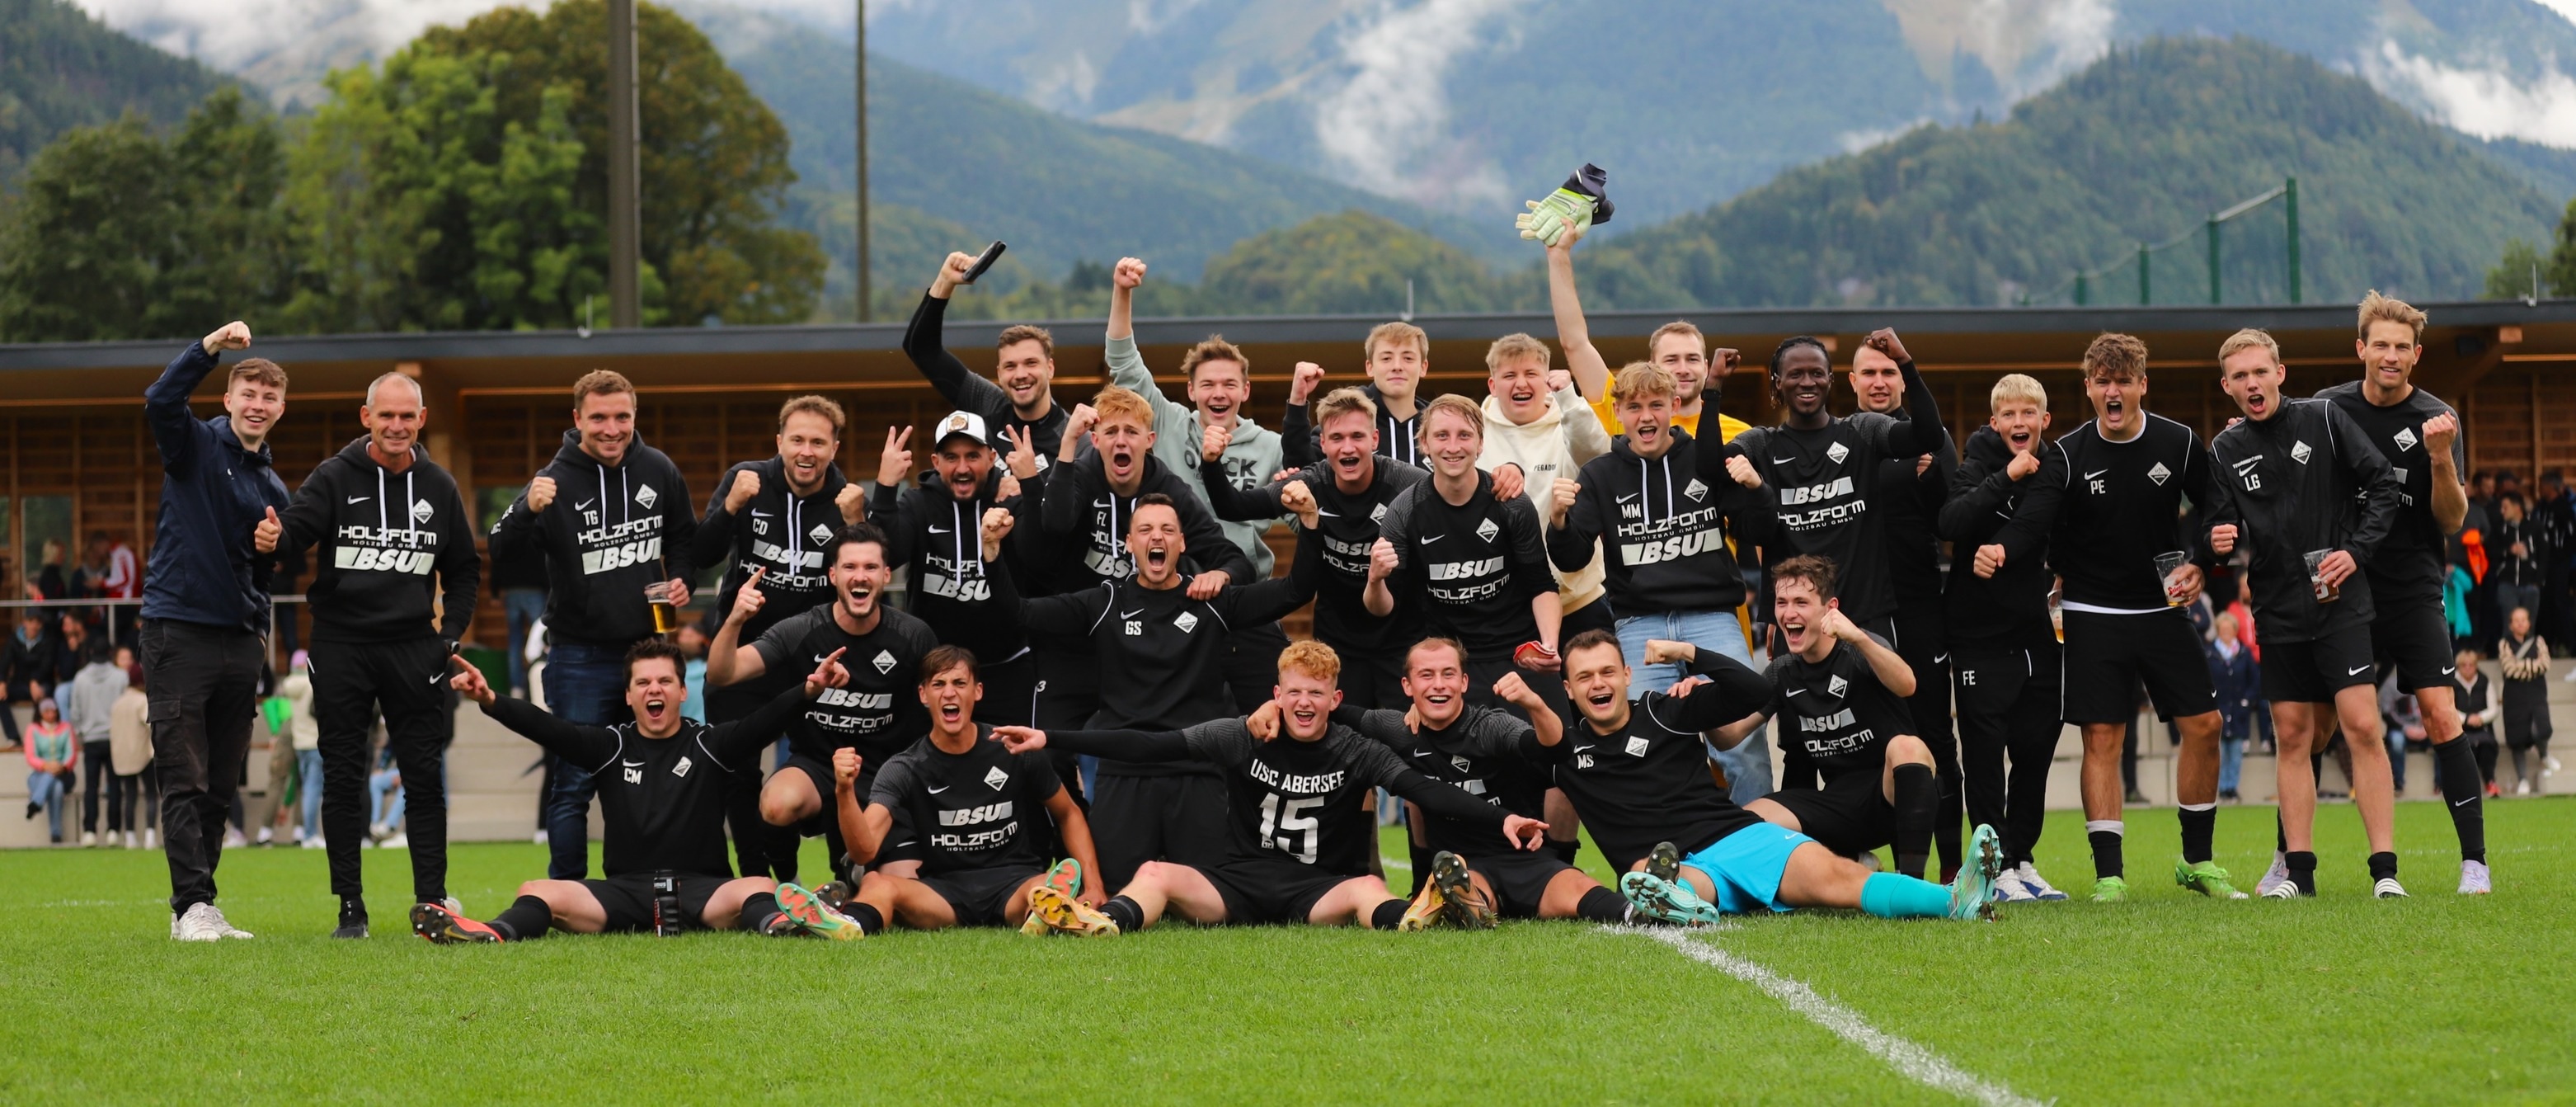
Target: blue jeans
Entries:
(48, 791)
(525, 607)
(584, 684)
(308, 771)
(2231, 759)
(385, 786)
(1748, 765)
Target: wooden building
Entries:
(79, 459)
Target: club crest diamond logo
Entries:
(1836, 686)
(1838, 452)
(420, 512)
(1695, 490)
(996, 778)
(885, 661)
(2159, 474)
(1487, 530)
(681, 769)
(1460, 763)
(2405, 438)
(2299, 452)
(644, 495)
(1187, 622)
(1377, 514)
(1636, 747)
(820, 534)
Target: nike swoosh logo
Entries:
(2466, 802)
(1628, 497)
(1797, 691)
(1941, 659)
(821, 658)
(632, 764)
(2449, 669)
(1131, 614)
(1784, 461)
(939, 530)
(937, 790)
(584, 505)
(757, 513)
(360, 499)
(2095, 473)
(1422, 753)
(434, 678)
(2357, 672)
(1431, 538)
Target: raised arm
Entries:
(1591, 371)
(1116, 745)
(864, 824)
(2449, 458)
(165, 404)
(729, 659)
(590, 747)
(922, 342)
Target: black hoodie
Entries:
(608, 534)
(1085, 525)
(941, 539)
(1666, 528)
(2008, 611)
(379, 535)
(778, 530)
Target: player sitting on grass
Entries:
(1477, 874)
(1846, 692)
(1638, 773)
(663, 780)
(1301, 841)
(962, 807)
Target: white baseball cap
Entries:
(961, 423)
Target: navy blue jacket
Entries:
(213, 494)
(2239, 685)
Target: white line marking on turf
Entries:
(1914, 1062)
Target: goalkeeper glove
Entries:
(1577, 204)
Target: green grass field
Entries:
(2167, 998)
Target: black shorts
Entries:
(1519, 879)
(628, 900)
(1850, 814)
(1267, 890)
(982, 897)
(2108, 655)
(2415, 639)
(2313, 671)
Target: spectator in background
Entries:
(90, 709)
(53, 752)
(304, 735)
(2404, 720)
(2550, 513)
(386, 802)
(2241, 611)
(89, 582)
(2524, 656)
(130, 754)
(521, 581)
(268, 809)
(124, 582)
(27, 675)
(692, 640)
(50, 583)
(2477, 703)
(2240, 692)
(2517, 552)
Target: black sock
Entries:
(1422, 856)
(2463, 788)
(2197, 827)
(871, 920)
(2105, 835)
(1127, 913)
(1916, 794)
(2383, 866)
(2303, 870)
(352, 910)
(1947, 811)
(2280, 833)
(757, 909)
(1388, 915)
(1565, 848)
(1602, 905)
(527, 920)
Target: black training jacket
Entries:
(2304, 479)
(608, 533)
(2008, 611)
(378, 539)
(778, 530)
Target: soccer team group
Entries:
(1530, 616)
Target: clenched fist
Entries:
(541, 493)
(746, 484)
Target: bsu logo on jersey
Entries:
(1807, 494)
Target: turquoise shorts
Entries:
(1746, 866)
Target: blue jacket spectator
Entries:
(214, 492)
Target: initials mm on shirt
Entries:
(619, 557)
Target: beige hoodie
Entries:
(1554, 445)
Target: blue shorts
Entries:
(1746, 866)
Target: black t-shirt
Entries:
(1477, 565)
(1835, 710)
(1822, 484)
(2101, 511)
(1648, 782)
(662, 800)
(1289, 798)
(1336, 553)
(879, 712)
(985, 808)
(1485, 753)
(2408, 569)
(1909, 503)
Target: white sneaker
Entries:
(2009, 888)
(541, 837)
(129, 839)
(2548, 766)
(2283, 890)
(151, 837)
(263, 835)
(2276, 878)
(89, 838)
(314, 842)
(399, 840)
(2524, 788)
(2474, 879)
(204, 923)
(2039, 888)
(233, 839)
(366, 843)
(2387, 887)
(453, 906)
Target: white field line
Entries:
(1912, 1061)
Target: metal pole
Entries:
(2213, 259)
(625, 215)
(2080, 292)
(2145, 296)
(2290, 189)
(865, 310)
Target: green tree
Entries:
(122, 234)
(2522, 272)
(1354, 262)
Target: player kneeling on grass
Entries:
(1477, 874)
(960, 808)
(1639, 777)
(663, 780)
(1301, 840)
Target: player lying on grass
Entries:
(1301, 840)
(961, 809)
(662, 787)
(1843, 693)
(1639, 777)
(1476, 874)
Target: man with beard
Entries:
(873, 711)
(932, 529)
(775, 516)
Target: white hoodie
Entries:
(1556, 444)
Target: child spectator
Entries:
(2239, 686)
